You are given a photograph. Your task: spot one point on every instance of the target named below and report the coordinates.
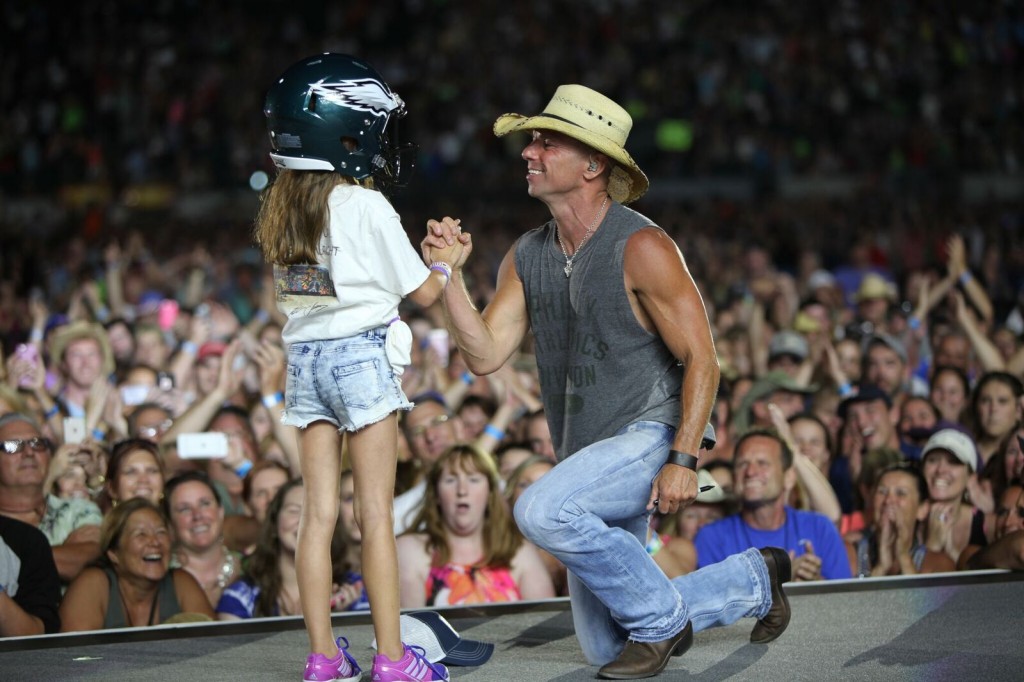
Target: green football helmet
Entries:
(334, 112)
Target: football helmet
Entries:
(334, 112)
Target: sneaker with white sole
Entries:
(341, 668)
(413, 667)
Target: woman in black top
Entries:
(133, 585)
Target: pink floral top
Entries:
(458, 584)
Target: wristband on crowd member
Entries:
(467, 378)
(190, 347)
(242, 469)
(35, 335)
(494, 432)
(98, 435)
(965, 277)
(52, 412)
(682, 459)
(262, 316)
(444, 269)
(271, 400)
(913, 322)
(845, 389)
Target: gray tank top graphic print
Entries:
(600, 370)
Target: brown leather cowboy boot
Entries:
(775, 622)
(647, 659)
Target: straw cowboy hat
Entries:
(596, 121)
(874, 286)
(83, 330)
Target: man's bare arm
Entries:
(657, 274)
(79, 550)
(486, 340)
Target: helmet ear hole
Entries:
(351, 144)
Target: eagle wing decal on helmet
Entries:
(364, 94)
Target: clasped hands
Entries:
(447, 242)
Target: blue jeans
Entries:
(590, 512)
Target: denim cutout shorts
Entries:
(348, 382)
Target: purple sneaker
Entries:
(413, 667)
(341, 668)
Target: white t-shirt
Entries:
(408, 505)
(367, 265)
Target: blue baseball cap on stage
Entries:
(440, 641)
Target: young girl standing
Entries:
(342, 263)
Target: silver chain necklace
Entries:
(558, 235)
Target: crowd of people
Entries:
(163, 93)
(880, 441)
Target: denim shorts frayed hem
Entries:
(348, 382)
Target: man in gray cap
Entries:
(886, 365)
(787, 351)
(774, 387)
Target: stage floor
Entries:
(944, 627)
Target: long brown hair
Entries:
(293, 215)
(262, 566)
(501, 537)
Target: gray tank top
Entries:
(599, 368)
(166, 601)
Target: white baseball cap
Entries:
(439, 640)
(958, 443)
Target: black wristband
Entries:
(682, 459)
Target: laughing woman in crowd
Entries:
(197, 519)
(953, 525)
(471, 551)
(134, 585)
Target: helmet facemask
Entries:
(394, 165)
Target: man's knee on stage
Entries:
(543, 520)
